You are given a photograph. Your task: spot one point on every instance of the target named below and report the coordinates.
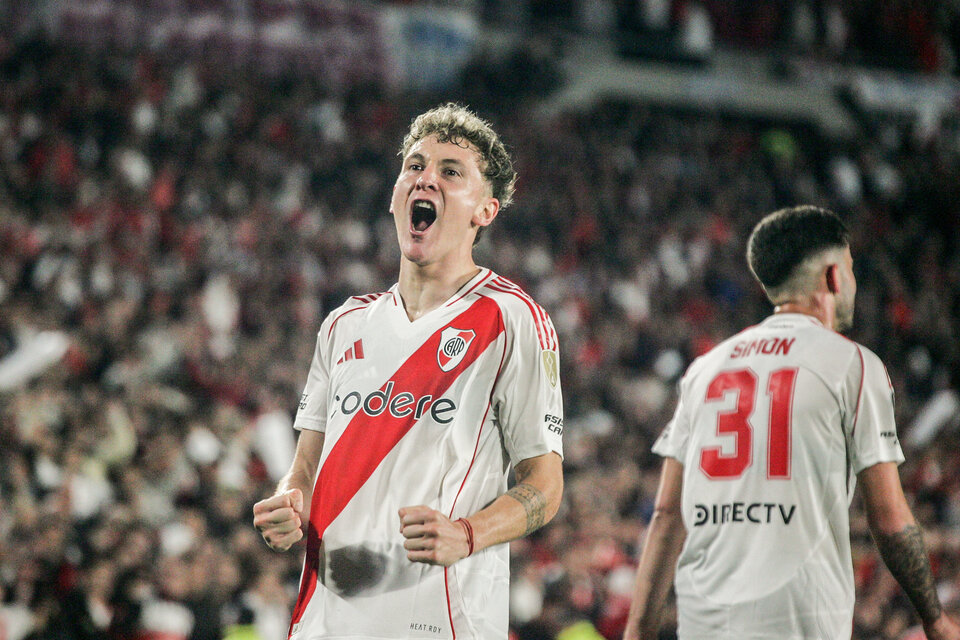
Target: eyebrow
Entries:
(445, 162)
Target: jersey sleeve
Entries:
(312, 412)
(672, 442)
(871, 429)
(527, 398)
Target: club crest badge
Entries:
(453, 346)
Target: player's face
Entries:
(848, 291)
(439, 200)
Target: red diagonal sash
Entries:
(357, 453)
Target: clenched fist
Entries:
(431, 537)
(278, 519)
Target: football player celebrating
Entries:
(418, 401)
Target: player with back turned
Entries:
(418, 401)
(773, 429)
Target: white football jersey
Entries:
(429, 412)
(772, 427)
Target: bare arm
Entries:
(303, 469)
(280, 517)
(900, 542)
(531, 503)
(658, 561)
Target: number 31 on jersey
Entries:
(737, 422)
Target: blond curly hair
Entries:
(454, 123)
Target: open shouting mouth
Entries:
(423, 213)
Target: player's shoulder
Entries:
(353, 307)
(862, 350)
(510, 296)
(869, 361)
(353, 303)
(518, 308)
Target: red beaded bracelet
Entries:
(469, 530)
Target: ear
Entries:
(833, 278)
(487, 213)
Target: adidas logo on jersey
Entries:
(355, 352)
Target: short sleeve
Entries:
(527, 396)
(672, 442)
(872, 430)
(312, 412)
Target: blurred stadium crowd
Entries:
(172, 235)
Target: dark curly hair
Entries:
(784, 239)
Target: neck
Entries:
(820, 307)
(424, 288)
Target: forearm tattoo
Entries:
(906, 557)
(534, 504)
